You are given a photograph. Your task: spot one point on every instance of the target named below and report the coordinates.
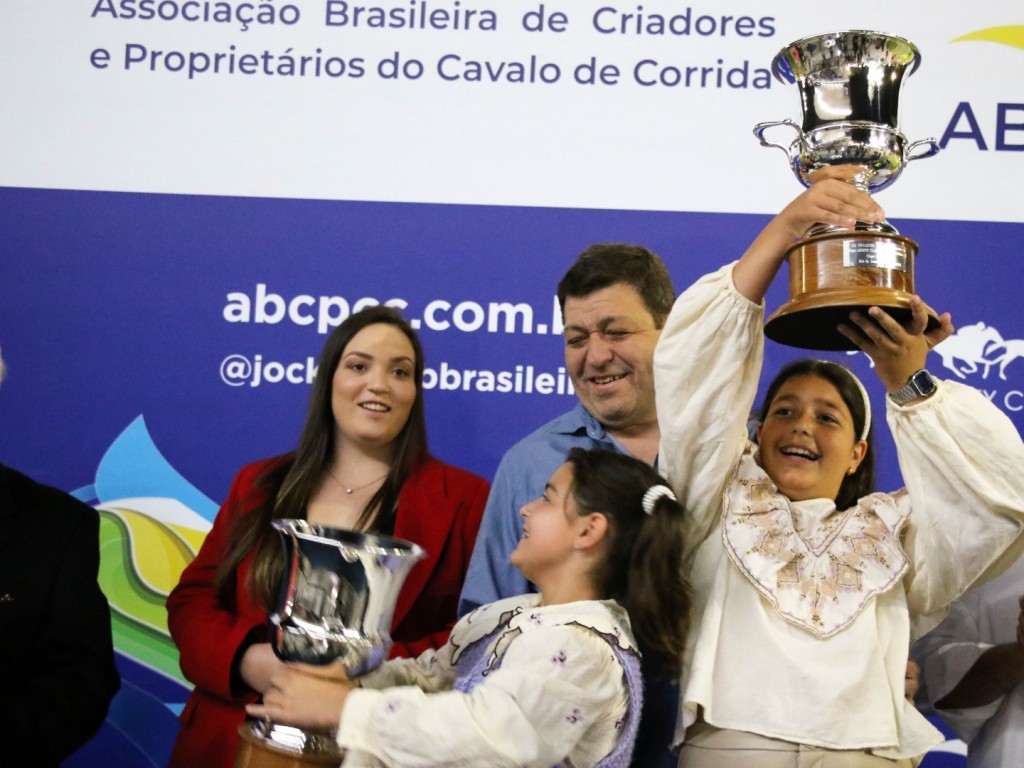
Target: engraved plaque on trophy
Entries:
(849, 90)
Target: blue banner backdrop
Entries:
(158, 342)
(120, 305)
(186, 211)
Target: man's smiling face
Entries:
(609, 354)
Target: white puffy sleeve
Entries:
(961, 459)
(706, 369)
(558, 691)
(432, 670)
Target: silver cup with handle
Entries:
(335, 606)
(850, 84)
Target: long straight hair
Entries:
(289, 485)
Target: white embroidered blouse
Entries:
(557, 689)
(804, 615)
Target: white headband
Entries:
(652, 494)
(867, 405)
(863, 396)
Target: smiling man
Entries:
(614, 301)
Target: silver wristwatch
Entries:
(920, 384)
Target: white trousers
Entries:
(710, 747)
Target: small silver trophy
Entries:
(335, 605)
(849, 90)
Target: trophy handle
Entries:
(760, 128)
(289, 579)
(928, 148)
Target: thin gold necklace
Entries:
(354, 488)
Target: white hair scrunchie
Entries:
(652, 494)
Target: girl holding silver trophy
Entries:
(538, 680)
(808, 586)
(361, 464)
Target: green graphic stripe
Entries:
(125, 591)
(147, 647)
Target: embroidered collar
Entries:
(517, 615)
(821, 585)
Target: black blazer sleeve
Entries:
(56, 650)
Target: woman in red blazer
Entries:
(361, 463)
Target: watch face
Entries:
(923, 382)
(920, 384)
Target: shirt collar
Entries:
(580, 421)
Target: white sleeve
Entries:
(431, 671)
(706, 370)
(946, 654)
(553, 687)
(961, 460)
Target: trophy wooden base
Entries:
(257, 752)
(836, 273)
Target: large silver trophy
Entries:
(335, 605)
(849, 89)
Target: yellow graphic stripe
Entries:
(193, 538)
(157, 552)
(1012, 35)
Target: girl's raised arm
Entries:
(829, 200)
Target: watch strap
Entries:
(920, 384)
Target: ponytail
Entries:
(658, 593)
(643, 565)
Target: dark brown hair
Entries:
(290, 484)
(606, 264)
(644, 567)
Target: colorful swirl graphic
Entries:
(152, 522)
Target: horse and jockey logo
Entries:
(979, 356)
(979, 348)
(976, 349)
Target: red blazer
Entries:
(439, 508)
